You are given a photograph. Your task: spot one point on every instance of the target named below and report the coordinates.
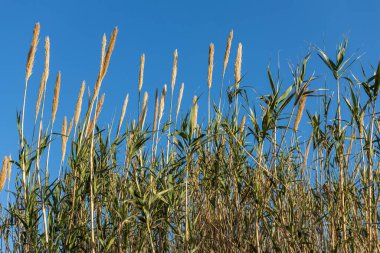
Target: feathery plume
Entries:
(155, 112)
(98, 109)
(32, 51)
(123, 113)
(162, 104)
(64, 137)
(242, 124)
(180, 99)
(238, 65)
(144, 110)
(141, 73)
(64, 127)
(110, 48)
(70, 127)
(104, 43)
(194, 114)
(227, 53)
(104, 66)
(306, 154)
(210, 65)
(9, 167)
(44, 78)
(301, 107)
(78, 106)
(3, 174)
(47, 58)
(175, 66)
(56, 97)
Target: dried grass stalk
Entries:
(361, 127)
(210, 65)
(304, 164)
(56, 97)
(227, 53)
(32, 51)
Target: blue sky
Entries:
(267, 29)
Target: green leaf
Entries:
(271, 80)
(377, 81)
(286, 93)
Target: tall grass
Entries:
(261, 175)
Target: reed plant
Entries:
(263, 173)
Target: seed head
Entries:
(194, 114)
(64, 137)
(103, 53)
(210, 65)
(3, 174)
(227, 53)
(123, 113)
(175, 66)
(78, 106)
(180, 98)
(301, 107)
(144, 110)
(162, 104)
(9, 167)
(110, 48)
(44, 78)
(70, 127)
(155, 112)
(56, 97)
(242, 124)
(98, 109)
(238, 65)
(32, 51)
(141, 74)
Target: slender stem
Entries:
(370, 168)
(92, 194)
(341, 167)
(170, 124)
(22, 141)
(42, 192)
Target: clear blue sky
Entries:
(265, 28)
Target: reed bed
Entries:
(262, 174)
